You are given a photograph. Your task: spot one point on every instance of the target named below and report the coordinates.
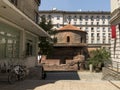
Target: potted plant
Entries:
(97, 58)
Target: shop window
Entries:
(9, 44)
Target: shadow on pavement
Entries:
(62, 75)
(31, 84)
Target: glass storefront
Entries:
(9, 41)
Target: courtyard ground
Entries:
(64, 81)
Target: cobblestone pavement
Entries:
(86, 81)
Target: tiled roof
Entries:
(70, 27)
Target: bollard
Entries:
(91, 67)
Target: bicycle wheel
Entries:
(12, 78)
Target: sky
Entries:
(76, 5)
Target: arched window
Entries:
(68, 39)
(81, 40)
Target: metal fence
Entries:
(114, 65)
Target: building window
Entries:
(43, 16)
(86, 23)
(97, 18)
(92, 29)
(49, 17)
(91, 23)
(75, 18)
(68, 39)
(86, 18)
(98, 34)
(103, 41)
(14, 2)
(92, 41)
(81, 39)
(92, 34)
(80, 18)
(103, 18)
(86, 28)
(58, 25)
(74, 23)
(98, 29)
(109, 29)
(80, 23)
(104, 36)
(69, 19)
(98, 40)
(58, 17)
(108, 17)
(29, 48)
(103, 22)
(109, 35)
(103, 29)
(92, 18)
(97, 23)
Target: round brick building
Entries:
(71, 44)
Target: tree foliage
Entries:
(98, 57)
(45, 43)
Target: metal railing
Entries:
(114, 65)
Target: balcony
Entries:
(8, 12)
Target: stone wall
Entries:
(75, 37)
(29, 7)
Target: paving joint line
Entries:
(114, 84)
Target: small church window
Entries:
(68, 39)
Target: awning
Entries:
(14, 15)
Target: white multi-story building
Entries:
(95, 23)
(115, 21)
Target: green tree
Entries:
(98, 57)
(45, 43)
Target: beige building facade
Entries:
(19, 31)
(95, 23)
(115, 20)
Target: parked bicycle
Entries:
(17, 72)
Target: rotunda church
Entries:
(71, 45)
